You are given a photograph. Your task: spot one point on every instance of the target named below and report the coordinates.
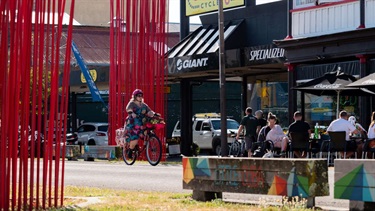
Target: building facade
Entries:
(251, 59)
(325, 36)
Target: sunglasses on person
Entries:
(139, 95)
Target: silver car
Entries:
(93, 133)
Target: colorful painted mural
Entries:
(354, 180)
(285, 177)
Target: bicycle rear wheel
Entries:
(153, 150)
(125, 155)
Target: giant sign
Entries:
(195, 7)
(193, 63)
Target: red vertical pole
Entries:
(137, 56)
(66, 97)
(30, 52)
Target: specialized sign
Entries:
(271, 53)
(195, 7)
(264, 54)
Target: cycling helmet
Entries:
(137, 91)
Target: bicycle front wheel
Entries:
(129, 158)
(235, 149)
(153, 150)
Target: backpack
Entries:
(260, 147)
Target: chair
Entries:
(337, 143)
(299, 141)
(262, 147)
(368, 147)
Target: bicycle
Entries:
(237, 148)
(151, 143)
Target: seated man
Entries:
(299, 126)
(342, 124)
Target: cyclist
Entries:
(138, 113)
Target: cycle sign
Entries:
(195, 7)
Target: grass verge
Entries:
(85, 198)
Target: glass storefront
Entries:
(270, 97)
(322, 109)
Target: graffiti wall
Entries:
(354, 180)
(284, 177)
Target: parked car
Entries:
(71, 138)
(92, 133)
(38, 139)
(206, 131)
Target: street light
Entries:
(224, 141)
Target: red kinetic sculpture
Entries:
(33, 105)
(137, 57)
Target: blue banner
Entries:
(96, 97)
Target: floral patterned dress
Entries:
(134, 128)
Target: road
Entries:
(165, 178)
(118, 175)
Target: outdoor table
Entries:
(315, 144)
(358, 137)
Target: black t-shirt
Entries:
(262, 122)
(299, 126)
(251, 123)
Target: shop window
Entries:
(322, 109)
(270, 97)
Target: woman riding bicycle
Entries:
(138, 113)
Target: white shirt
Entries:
(371, 132)
(341, 125)
(276, 134)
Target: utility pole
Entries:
(224, 140)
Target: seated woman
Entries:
(275, 134)
(369, 145)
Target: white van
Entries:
(206, 131)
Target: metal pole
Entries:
(184, 20)
(224, 141)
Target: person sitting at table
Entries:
(358, 126)
(360, 137)
(299, 126)
(371, 129)
(342, 124)
(276, 134)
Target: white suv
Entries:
(206, 131)
(93, 133)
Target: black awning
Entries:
(203, 40)
(199, 50)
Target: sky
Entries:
(174, 11)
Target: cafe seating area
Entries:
(330, 146)
(299, 142)
(369, 149)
